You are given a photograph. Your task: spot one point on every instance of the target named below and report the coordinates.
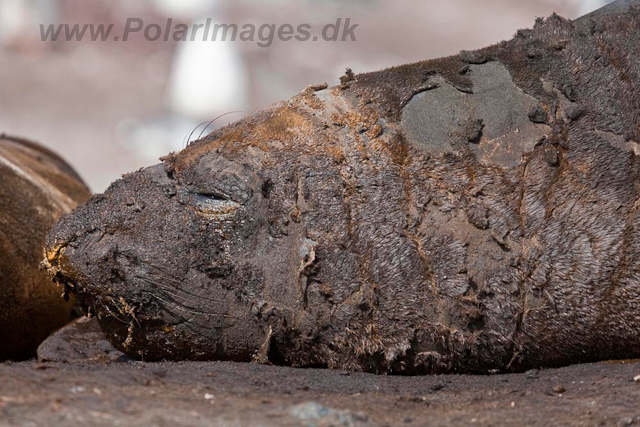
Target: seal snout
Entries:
(57, 262)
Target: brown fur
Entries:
(37, 188)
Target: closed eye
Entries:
(209, 197)
(215, 205)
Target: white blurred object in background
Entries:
(582, 7)
(208, 78)
(13, 16)
(185, 9)
(20, 19)
(587, 6)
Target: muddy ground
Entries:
(223, 393)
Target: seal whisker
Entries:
(211, 122)
(232, 136)
(167, 304)
(111, 312)
(165, 290)
(186, 139)
(169, 277)
(169, 294)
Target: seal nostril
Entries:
(266, 188)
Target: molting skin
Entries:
(472, 213)
(36, 188)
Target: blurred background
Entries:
(113, 107)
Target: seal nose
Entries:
(85, 248)
(67, 241)
(56, 261)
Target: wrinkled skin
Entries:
(36, 188)
(471, 213)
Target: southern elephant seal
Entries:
(472, 213)
(37, 187)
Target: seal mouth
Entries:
(120, 312)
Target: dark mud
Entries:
(236, 394)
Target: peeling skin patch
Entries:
(333, 103)
(437, 120)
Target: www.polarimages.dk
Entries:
(264, 35)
